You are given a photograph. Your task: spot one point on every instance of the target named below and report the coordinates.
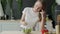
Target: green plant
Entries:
(53, 9)
(10, 3)
(3, 2)
(27, 31)
(19, 4)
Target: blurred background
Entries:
(12, 10)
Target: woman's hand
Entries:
(42, 13)
(23, 23)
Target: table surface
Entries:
(19, 32)
(7, 21)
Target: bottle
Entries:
(57, 29)
(58, 24)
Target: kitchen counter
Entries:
(11, 21)
(9, 25)
(19, 32)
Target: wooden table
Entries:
(19, 32)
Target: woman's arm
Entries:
(22, 21)
(43, 20)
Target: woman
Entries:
(33, 15)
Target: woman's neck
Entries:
(34, 10)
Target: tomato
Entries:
(43, 31)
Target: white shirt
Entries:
(31, 17)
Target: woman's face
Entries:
(38, 6)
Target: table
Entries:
(19, 32)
